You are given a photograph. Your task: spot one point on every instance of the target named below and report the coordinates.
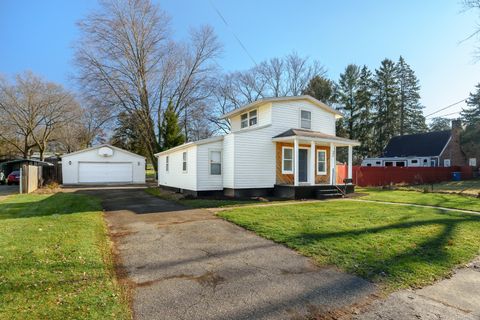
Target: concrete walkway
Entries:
(187, 264)
(449, 299)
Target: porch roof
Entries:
(314, 136)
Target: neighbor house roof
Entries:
(280, 99)
(100, 146)
(190, 144)
(315, 135)
(418, 145)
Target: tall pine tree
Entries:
(386, 104)
(171, 132)
(365, 124)
(410, 114)
(471, 114)
(322, 89)
(347, 91)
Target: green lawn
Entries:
(199, 203)
(466, 187)
(394, 246)
(431, 199)
(55, 260)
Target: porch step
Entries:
(329, 193)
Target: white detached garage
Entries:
(103, 164)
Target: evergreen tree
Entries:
(471, 114)
(364, 126)
(322, 89)
(171, 131)
(411, 119)
(346, 92)
(386, 104)
(126, 135)
(440, 124)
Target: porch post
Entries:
(312, 162)
(333, 163)
(295, 162)
(350, 161)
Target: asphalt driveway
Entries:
(188, 264)
(6, 190)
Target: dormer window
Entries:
(305, 119)
(248, 119)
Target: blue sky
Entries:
(38, 35)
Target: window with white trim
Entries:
(446, 163)
(472, 162)
(321, 162)
(166, 163)
(249, 119)
(305, 119)
(184, 162)
(287, 160)
(215, 163)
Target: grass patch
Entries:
(200, 203)
(396, 247)
(431, 199)
(55, 260)
(466, 187)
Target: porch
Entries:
(312, 191)
(307, 160)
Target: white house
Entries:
(103, 164)
(283, 146)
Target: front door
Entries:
(302, 165)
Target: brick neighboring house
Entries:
(430, 149)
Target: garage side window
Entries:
(184, 162)
(215, 162)
(166, 163)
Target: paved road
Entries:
(188, 264)
(6, 190)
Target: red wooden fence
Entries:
(381, 176)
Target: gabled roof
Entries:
(418, 145)
(315, 135)
(279, 99)
(189, 144)
(100, 146)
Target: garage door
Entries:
(105, 172)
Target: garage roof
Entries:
(101, 146)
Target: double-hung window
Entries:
(287, 160)
(215, 162)
(184, 162)
(305, 119)
(166, 163)
(248, 119)
(321, 162)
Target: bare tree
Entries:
(31, 109)
(287, 76)
(127, 59)
(468, 5)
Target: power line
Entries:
(449, 106)
(231, 30)
(449, 114)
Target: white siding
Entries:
(286, 115)
(175, 177)
(254, 159)
(228, 160)
(264, 117)
(70, 164)
(206, 181)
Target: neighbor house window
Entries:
(321, 162)
(248, 119)
(287, 160)
(446, 163)
(184, 162)
(166, 163)
(472, 162)
(215, 162)
(306, 119)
